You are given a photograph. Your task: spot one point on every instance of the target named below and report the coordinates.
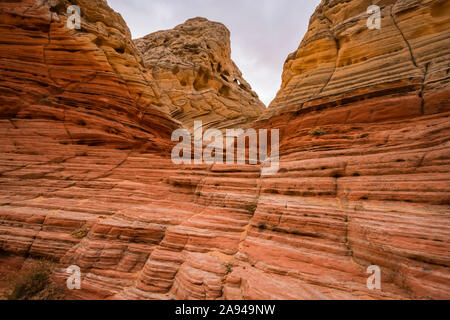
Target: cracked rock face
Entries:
(85, 177)
(196, 77)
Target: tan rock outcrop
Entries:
(85, 177)
(196, 77)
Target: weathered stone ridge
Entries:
(341, 60)
(196, 77)
(85, 176)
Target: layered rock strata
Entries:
(363, 180)
(88, 84)
(341, 60)
(365, 153)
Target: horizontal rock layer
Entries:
(363, 116)
(364, 171)
(341, 60)
(195, 76)
(91, 82)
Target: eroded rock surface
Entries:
(341, 60)
(85, 177)
(365, 169)
(196, 77)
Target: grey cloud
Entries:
(263, 32)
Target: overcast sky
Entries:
(263, 32)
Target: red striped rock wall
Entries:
(75, 105)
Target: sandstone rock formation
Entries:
(85, 176)
(196, 77)
(340, 60)
(75, 104)
(365, 168)
(60, 76)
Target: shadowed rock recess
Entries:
(86, 178)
